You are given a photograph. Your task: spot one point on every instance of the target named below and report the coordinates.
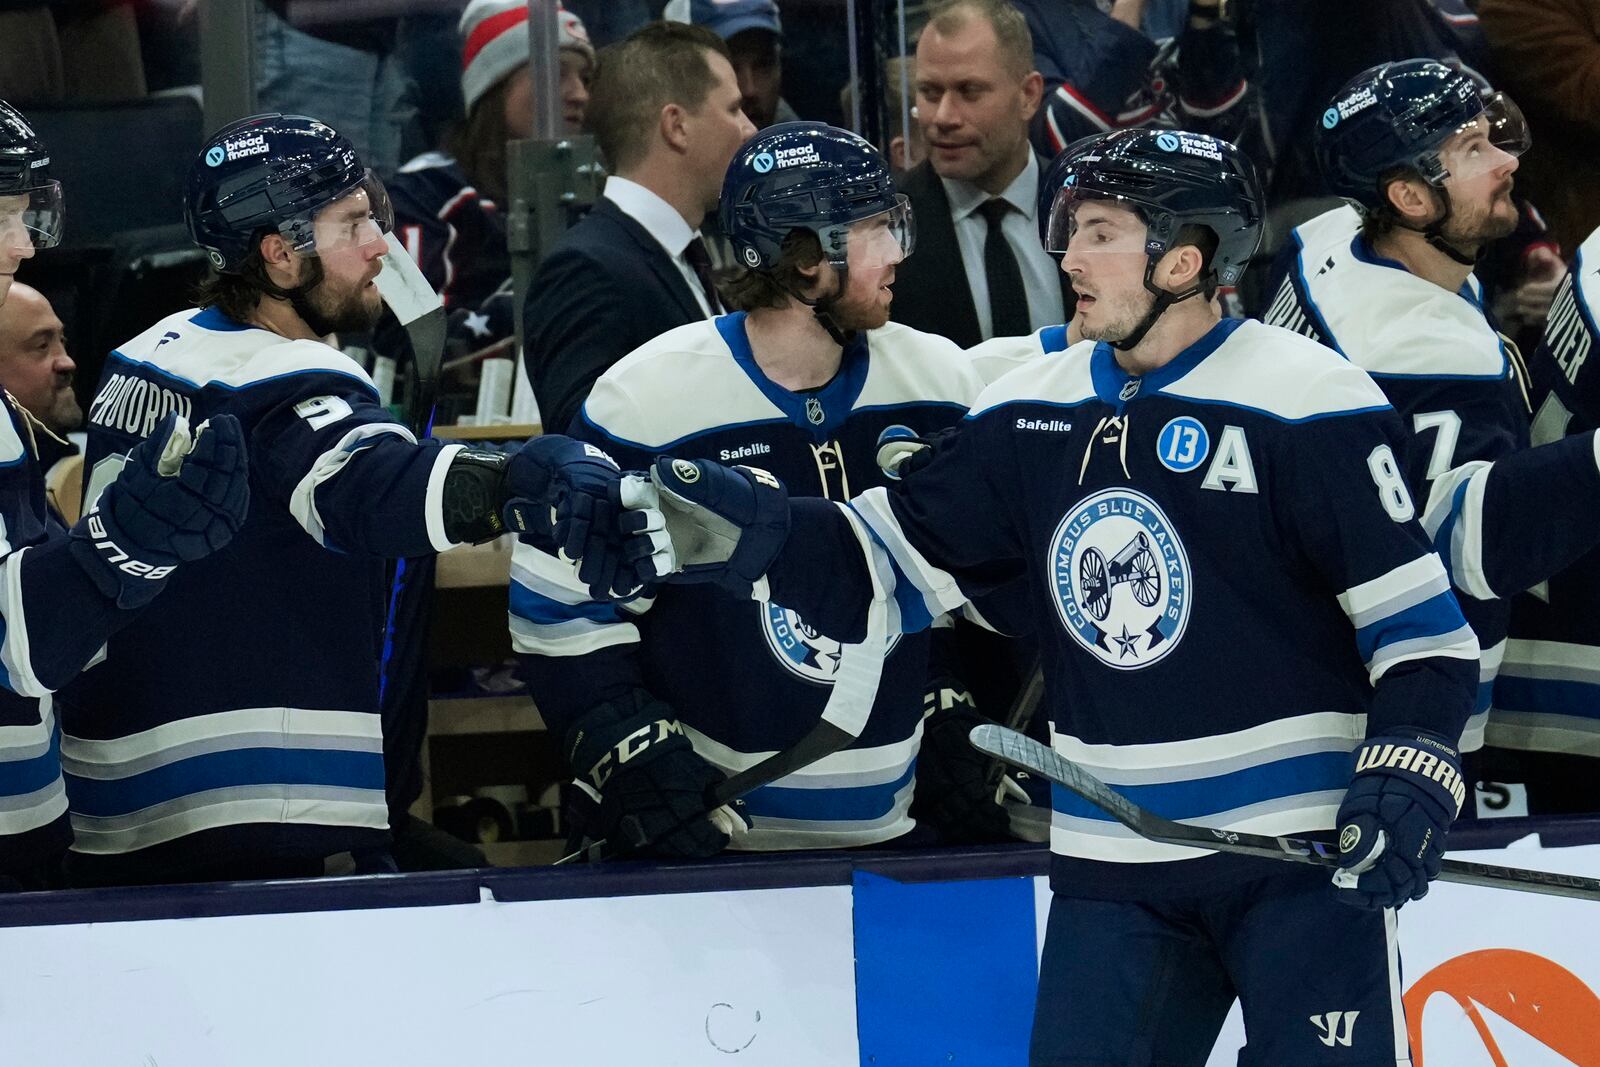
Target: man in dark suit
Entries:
(980, 270)
(665, 110)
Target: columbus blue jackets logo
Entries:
(1121, 578)
(800, 648)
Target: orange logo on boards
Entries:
(1543, 999)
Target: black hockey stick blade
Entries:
(824, 739)
(420, 310)
(1035, 758)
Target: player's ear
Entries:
(1179, 269)
(1410, 197)
(279, 260)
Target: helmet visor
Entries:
(1083, 222)
(358, 216)
(1498, 135)
(32, 218)
(876, 241)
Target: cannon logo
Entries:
(1537, 997)
(805, 652)
(1121, 578)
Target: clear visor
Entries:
(1489, 142)
(876, 241)
(33, 218)
(1081, 224)
(358, 216)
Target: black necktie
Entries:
(700, 262)
(1008, 300)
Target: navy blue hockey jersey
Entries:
(1547, 698)
(238, 717)
(1223, 567)
(749, 679)
(33, 801)
(1453, 378)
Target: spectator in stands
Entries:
(53, 51)
(448, 204)
(1103, 69)
(665, 109)
(976, 195)
(343, 70)
(755, 44)
(1547, 54)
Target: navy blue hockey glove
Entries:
(178, 498)
(565, 497)
(726, 524)
(954, 794)
(649, 791)
(1406, 792)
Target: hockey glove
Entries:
(179, 497)
(564, 496)
(902, 456)
(726, 524)
(954, 795)
(649, 791)
(1406, 792)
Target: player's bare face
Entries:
(1479, 187)
(1105, 259)
(16, 244)
(874, 251)
(350, 246)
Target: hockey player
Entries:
(808, 385)
(1547, 698)
(233, 730)
(1427, 160)
(180, 497)
(1207, 524)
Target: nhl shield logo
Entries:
(804, 651)
(1121, 578)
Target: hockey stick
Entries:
(422, 313)
(1021, 713)
(1031, 756)
(823, 739)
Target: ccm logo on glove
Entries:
(629, 747)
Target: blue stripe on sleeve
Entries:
(1435, 617)
(540, 609)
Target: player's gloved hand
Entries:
(649, 791)
(902, 456)
(178, 498)
(954, 792)
(726, 524)
(1406, 792)
(565, 497)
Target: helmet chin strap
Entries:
(822, 309)
(1433, 233)
(1164, 299)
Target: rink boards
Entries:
(913, 960)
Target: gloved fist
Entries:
(954, 792)
(726, 524)
(178, 498)
(902, 456)
(647, 789)
(1406, 792)
(565, 497)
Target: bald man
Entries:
(34, 365)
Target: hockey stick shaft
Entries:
(824, 739)
(1031, 756)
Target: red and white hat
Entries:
(495, 42)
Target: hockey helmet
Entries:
(809, 175)
(1407, 114)
(1170, 178)
(31, 205)
(273, 174)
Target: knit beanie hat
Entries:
(494, 36)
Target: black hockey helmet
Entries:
(1172, 178)
(273, 173)
(807, 175)
(25, 173)
(1401, 115)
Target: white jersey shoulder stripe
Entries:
(184, 347)
(1065, 379)
(1279, 373)
(907, 366)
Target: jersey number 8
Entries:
(1392, 489)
